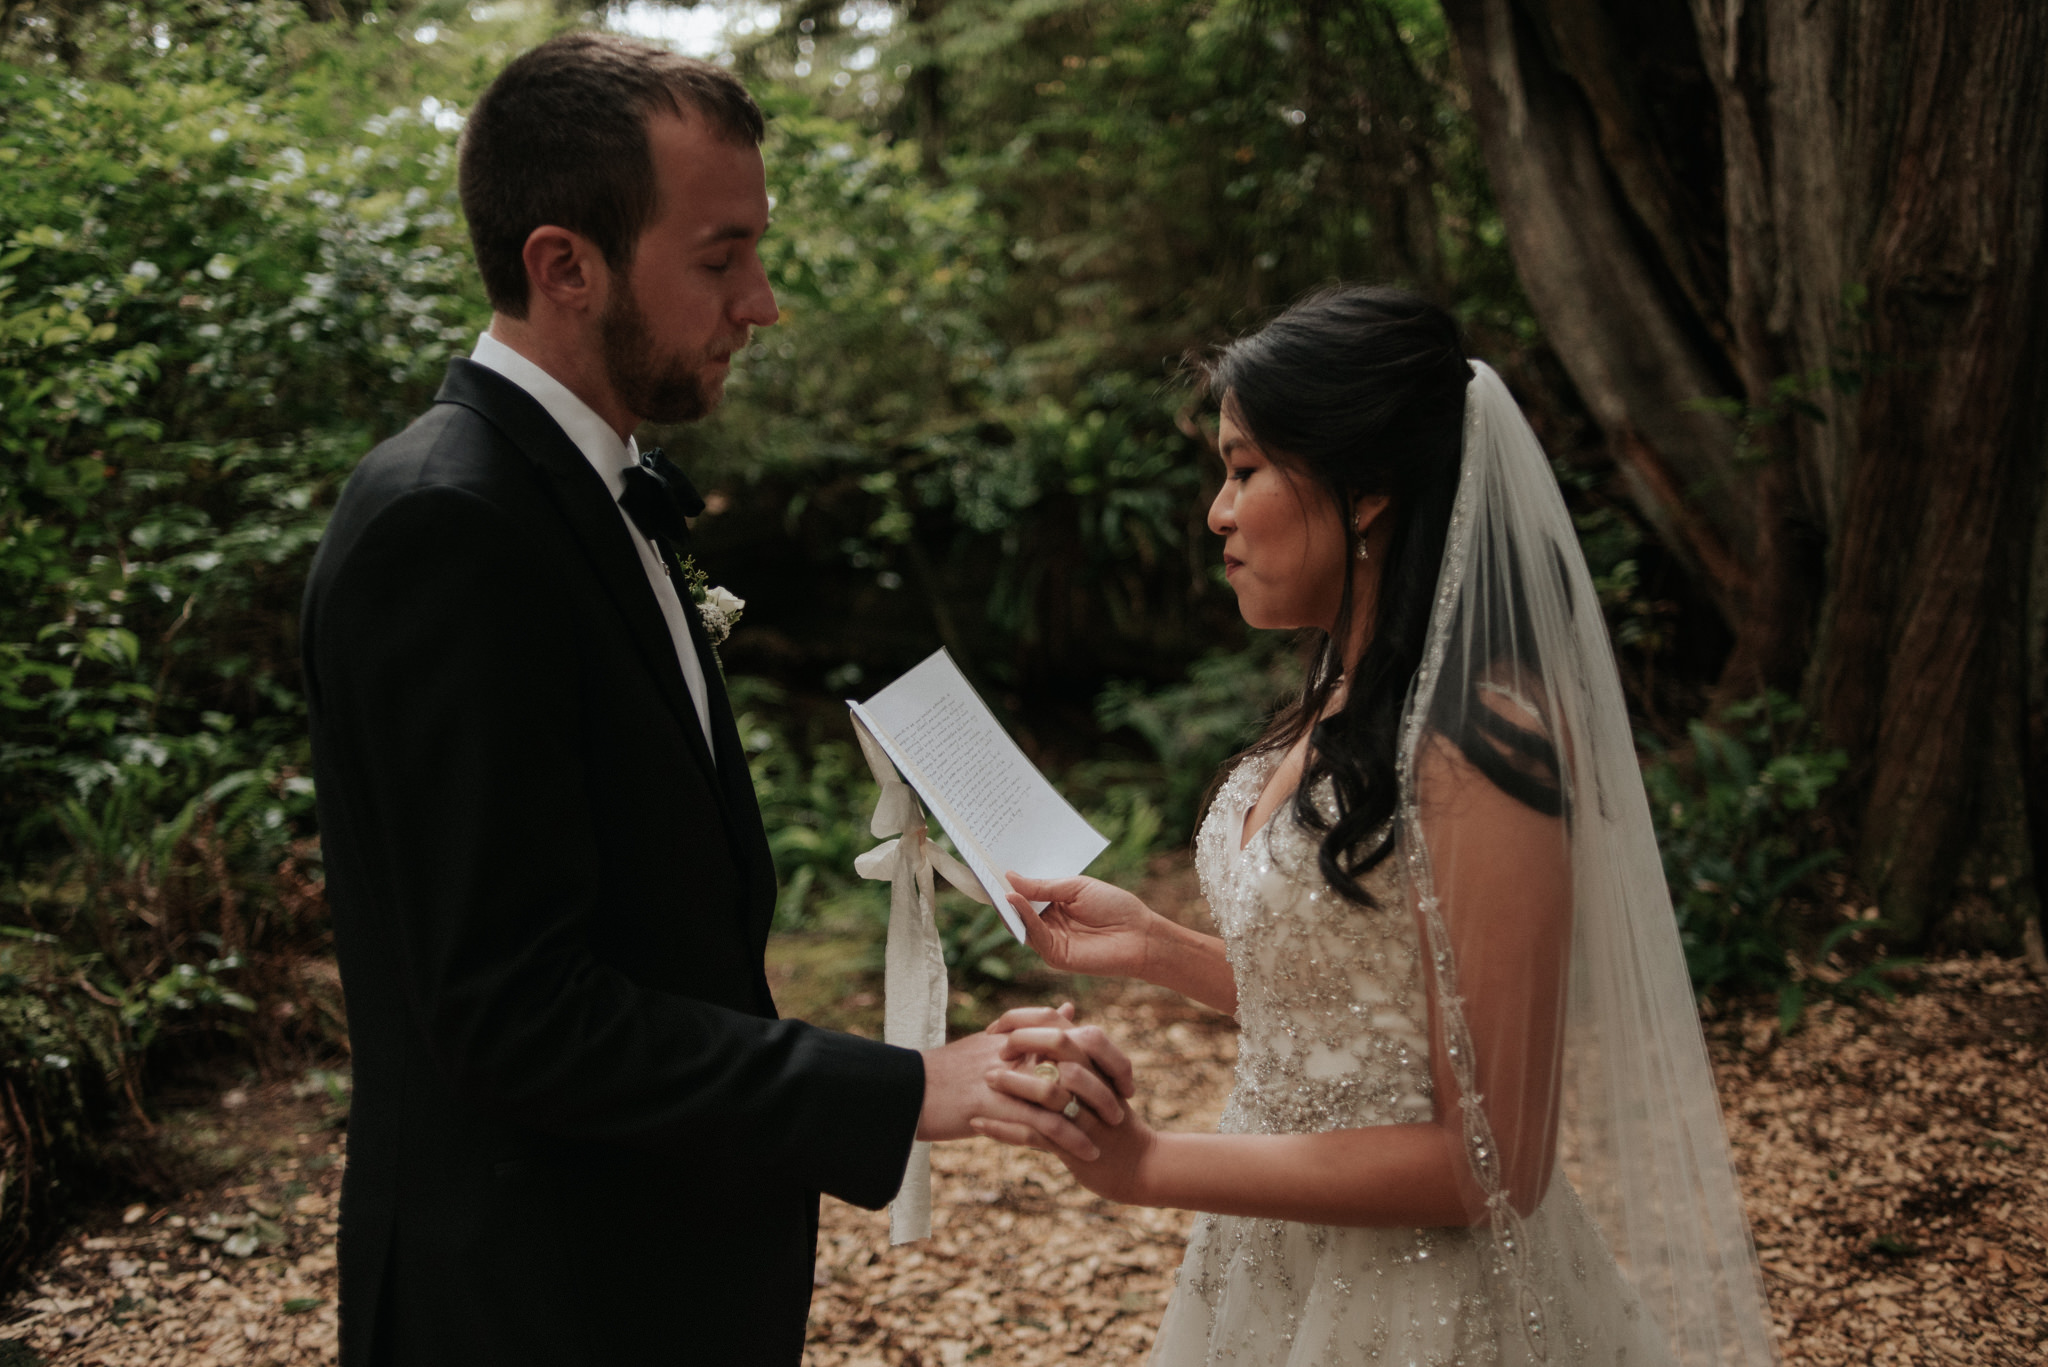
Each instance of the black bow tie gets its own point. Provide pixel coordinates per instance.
(659, 497)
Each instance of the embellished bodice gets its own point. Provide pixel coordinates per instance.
(1332, 1016)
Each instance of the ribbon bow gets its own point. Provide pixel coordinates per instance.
(914, 987)
(660, 498)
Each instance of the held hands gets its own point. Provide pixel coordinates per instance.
(1088, 926)
(961, 1095)
(1119, 1143)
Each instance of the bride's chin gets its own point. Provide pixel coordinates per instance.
(1266, 620)
(1265, 610)
(1261, 621)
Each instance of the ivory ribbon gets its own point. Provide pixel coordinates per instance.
(914, 987)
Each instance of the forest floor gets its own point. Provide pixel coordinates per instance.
(1894, 1157)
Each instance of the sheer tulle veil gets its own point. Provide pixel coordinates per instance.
(1590, 1062)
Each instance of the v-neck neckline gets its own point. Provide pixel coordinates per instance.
(1246, 838)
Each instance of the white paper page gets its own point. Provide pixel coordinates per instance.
(993, 802)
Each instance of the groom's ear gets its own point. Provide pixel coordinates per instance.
(565, 270)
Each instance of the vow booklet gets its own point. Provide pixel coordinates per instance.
(993, 802)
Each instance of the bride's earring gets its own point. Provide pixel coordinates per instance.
(1362, 552)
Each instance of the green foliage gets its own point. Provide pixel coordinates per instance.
(1001, 224)
(1726, 827)
(181, 988)
(977, 943)
(910, 444)
(1734, 825)
(229, 259)
(63, 1072)
(1195, 725)
(1613, 539)
(816, 796)
(164, 913)
(1167, 168)
(52, 1027)
(212, 294)
(1825, 973)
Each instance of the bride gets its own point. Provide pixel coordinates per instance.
(1473, 1119)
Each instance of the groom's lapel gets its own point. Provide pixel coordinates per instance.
(578, 492)
(749, 836)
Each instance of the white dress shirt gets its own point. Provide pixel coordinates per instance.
(611, 458)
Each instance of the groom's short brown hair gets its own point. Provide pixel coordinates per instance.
(560, 138)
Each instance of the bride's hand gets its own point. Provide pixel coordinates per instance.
(1092, 1070)
(1088, 926)
(1124, 1149)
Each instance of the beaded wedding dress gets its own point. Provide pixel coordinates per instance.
(1333, 1034)
(1517, 979)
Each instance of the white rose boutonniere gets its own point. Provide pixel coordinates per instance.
(719, 608)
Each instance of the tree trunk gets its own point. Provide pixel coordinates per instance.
(1830, 212)
(926, 90)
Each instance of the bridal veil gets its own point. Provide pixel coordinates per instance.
(1565, 1029)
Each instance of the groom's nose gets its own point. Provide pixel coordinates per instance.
(755, 304)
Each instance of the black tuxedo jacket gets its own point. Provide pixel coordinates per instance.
(579, 1133)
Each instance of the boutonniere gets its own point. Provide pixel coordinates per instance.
(719, 608)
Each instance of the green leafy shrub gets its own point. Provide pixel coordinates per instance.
(187, 921)
(816, 797)
(211, 299)
(229, 259)
(75, 1038)
(1734, 825)
(1194, 726)
(65, 1083)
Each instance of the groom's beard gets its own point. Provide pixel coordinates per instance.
(656, 388)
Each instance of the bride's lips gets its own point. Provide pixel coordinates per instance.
(1231, 564)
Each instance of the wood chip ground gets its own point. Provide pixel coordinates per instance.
(1894, 1157)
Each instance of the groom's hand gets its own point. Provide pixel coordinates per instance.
(957, 1090)
(1090, 1064)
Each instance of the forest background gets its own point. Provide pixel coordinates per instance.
(1807, 466)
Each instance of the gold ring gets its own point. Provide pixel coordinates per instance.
(1049, 1071)
(1072, 1108)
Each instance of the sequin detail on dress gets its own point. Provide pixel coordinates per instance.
(1333, 1034)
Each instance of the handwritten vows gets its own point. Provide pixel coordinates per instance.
(993, 802)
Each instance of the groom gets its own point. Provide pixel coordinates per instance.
(580, 1134)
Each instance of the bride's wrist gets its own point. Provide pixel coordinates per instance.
(1146, 1169)
(1167, 945)
(1155, 949)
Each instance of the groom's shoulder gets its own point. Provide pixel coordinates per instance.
(446, 446)
(483, 435)
(451, 472)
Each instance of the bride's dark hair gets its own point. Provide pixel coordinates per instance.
(1362, 389)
